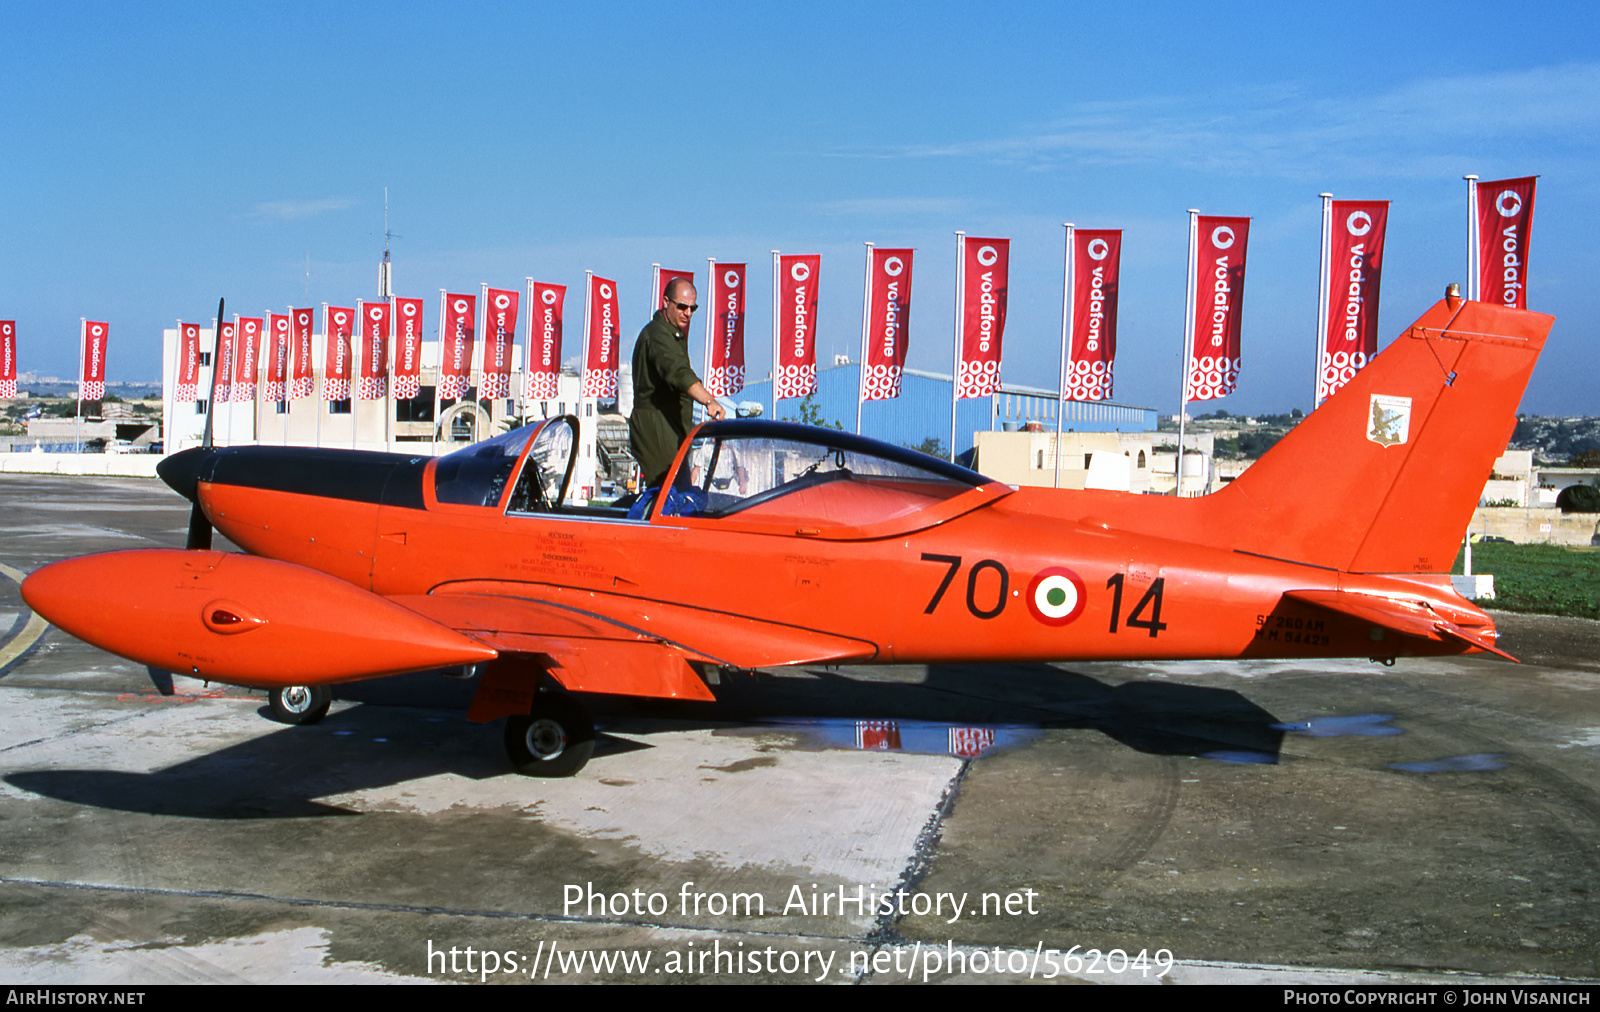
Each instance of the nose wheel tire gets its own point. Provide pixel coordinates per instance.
(300, 704)
(555, 740)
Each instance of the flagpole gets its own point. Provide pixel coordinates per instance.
(866, 312)
(1067, 280)
(960, 335)
(1472, 238)
(320, 397)
(1188, 338)
(233, 369)
(775, 355)
(1324, 292)
(527, 356)
(288, 376)
(77, 413)
(355, 367)
(438, 373)
(655, 287)
(480, 348)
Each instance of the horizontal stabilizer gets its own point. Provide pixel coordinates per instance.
(1413, 618)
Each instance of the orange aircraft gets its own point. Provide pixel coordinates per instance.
(782, 544)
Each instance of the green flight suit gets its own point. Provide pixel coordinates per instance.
(663, 412)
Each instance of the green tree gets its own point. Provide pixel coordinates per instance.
(810, 414)
(1579, 499)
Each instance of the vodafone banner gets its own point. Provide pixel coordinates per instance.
(887, 332)
(222, 368)
(725, 331)
(246, 356)
(600, 352)
(1096, 271)
(985, 267)
(796, 325)
(92, 381)
(499, 337)
(407, 348)
(340, 325)
(301, 381)
(664, 277)
(1505, 214)
(541, 361)
(1350, 291)
(456, 325)
(8, 359)
(186, 388)
(1214, 359)
(372, 384)
(276, 382)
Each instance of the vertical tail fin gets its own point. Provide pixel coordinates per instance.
(1383, 477)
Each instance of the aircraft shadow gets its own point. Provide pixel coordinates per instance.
(1157, 718)
(281, 774)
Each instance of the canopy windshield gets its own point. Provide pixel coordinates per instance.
(768, 472)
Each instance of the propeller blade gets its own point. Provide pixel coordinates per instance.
(199, 529)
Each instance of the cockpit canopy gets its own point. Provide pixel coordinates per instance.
(774, 472)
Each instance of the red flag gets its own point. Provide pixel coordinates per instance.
(888, 323)
(985, 265)
(408, 348)
(8, 359)
(222, 368)
(725, 343)
(1214, 359)
(277, 358)
(376, 326)
(1350, 291)
(665, 277)
(500, 336)
(541, 362)
(92, 382)
(246, 355)
(455, 341)
(1505, 215)
(340, 325)
(1096, 275)
(798, 280)
(187, 388)
(600, 352)
(301, 381)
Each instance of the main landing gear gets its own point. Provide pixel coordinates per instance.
(555, 740)
(300, 704)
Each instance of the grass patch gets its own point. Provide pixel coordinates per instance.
(1545, 579)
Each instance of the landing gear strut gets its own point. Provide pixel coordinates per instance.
(555, 740)
(300, 704)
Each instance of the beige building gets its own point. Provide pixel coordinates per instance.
(1116, 461)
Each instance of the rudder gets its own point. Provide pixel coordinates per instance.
(1383, 477)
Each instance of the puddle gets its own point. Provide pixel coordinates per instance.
(964, 741)
(1241, 757)
(1369, 724)
(1481, 762)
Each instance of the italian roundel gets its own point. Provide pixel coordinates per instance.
(1055, 596)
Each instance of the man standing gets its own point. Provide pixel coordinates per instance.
(665, 387)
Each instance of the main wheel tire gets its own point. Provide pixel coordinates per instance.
(300, 704)
(555, 740)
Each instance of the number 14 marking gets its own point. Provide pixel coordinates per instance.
(1136, 619)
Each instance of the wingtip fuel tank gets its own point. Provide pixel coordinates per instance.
(240, 619)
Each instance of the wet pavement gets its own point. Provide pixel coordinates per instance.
(1190, 822)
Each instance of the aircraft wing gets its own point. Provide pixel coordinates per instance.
(598, 642)
(1410, 618)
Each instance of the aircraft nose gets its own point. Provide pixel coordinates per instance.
(181, 471)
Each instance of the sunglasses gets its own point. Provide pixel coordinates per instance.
(684, 306)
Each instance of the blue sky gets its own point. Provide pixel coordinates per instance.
(160, 156)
